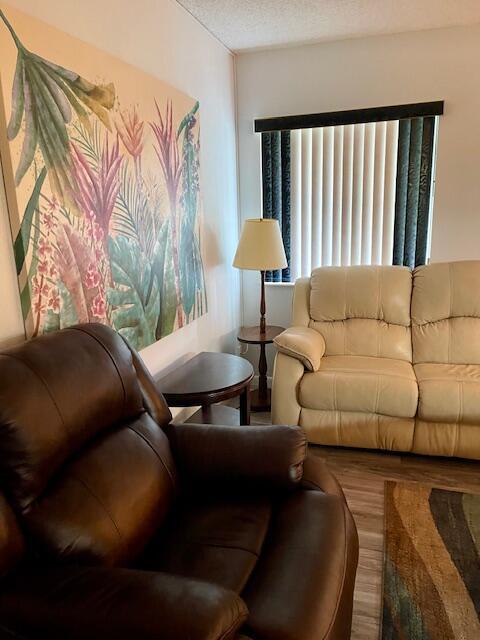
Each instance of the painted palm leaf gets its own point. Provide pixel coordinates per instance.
(134, 216)
(43, 97)
(134, 314)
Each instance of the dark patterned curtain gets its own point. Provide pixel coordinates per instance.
(414, 179)
(276, 191)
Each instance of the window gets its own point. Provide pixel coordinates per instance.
(352, 187)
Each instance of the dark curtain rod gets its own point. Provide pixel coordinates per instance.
(354, 116)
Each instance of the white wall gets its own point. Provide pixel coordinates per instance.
(440, 64)
(164, 40)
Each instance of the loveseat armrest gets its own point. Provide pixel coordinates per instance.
(98, 603)
(304, 344)
(269, 456)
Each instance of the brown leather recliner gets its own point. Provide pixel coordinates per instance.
(119, 524)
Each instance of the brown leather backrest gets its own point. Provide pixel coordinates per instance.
(361, 310)
(11, 538)
(446, 313)
(85, 466)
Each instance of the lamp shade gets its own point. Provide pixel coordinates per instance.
(260, 247)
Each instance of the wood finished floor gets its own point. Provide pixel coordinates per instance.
(362, 475)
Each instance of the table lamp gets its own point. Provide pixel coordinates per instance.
(260, 249)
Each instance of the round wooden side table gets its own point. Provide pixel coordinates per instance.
(260, 398)
(206, 379)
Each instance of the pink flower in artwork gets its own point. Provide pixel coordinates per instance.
(43, 268)
(92, 277)
(36, 285)
(53, 205)
(48, 221)
(44, 247)
(99, 307)
(53, 272)
(98, 232)
(54, 301)
(39, 307)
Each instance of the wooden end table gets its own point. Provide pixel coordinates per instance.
(260, 399)
(206, 379)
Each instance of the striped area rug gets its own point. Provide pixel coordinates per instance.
(431, 578)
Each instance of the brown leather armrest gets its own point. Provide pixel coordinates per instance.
(271, 456)
(153, 401)
(98, 603)
(317, 477)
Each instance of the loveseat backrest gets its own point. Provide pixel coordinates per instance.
(359, 310)
(446, 313)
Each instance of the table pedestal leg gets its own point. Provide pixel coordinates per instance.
(206, 414)
(245, 405)
(261, 397)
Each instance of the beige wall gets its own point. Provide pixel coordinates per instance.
(167, 42)
(371, 72)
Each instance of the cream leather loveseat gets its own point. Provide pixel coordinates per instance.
(386, 358)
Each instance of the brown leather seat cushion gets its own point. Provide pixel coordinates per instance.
(216, 539)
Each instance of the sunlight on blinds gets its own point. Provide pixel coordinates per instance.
(343, 182)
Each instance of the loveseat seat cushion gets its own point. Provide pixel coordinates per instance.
(449, 393)
(213, 537)
(356, 383)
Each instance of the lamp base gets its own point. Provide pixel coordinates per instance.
(262, 303)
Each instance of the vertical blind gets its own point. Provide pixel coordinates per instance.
(350, 194)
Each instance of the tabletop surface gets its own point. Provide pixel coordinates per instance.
(207, 372)
(252, 335)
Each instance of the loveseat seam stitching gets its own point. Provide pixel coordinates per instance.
(303, 358)
(344, 370)
(377, 392)
(379, 291)
(460, 389)
(459, 380)
(335, 392)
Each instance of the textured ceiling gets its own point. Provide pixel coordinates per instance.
(252, 24)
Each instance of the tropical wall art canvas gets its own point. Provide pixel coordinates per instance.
(101, 165)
